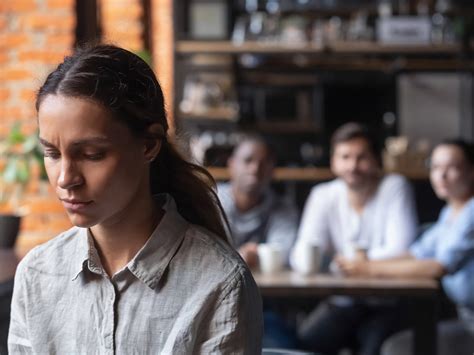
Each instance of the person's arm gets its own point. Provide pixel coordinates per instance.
(18, 339)
(406, 266)
(249, 252)
(313, 228)
(235, 324)
(400, 223)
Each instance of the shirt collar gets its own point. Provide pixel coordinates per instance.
(83, 252)
(154, 257)
(151, 261)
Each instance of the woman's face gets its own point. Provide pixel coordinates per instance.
(97, 167)
(451, 174)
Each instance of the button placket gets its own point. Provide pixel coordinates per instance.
(109, 328)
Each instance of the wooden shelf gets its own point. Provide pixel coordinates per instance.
(379, 48)
(346, 47)
(227, 47)
(294, 127)
(309, 174)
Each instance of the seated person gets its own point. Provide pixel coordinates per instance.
(444, 251)
(362, 209)
(255, 213)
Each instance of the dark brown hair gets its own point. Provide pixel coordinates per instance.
(126, 86)
(353, 130)
(254, 137)
(466, 147)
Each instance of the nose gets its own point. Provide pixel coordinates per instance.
(69, 176)
(254, 167)
(353, 164)
(443, 174)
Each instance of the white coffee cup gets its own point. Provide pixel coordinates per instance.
(270, 258)
(353, 251)
(310, 259)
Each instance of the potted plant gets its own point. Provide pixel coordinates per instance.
(20, 157)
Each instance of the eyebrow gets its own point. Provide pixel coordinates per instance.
(86, 141)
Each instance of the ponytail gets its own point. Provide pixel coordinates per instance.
(191, 186)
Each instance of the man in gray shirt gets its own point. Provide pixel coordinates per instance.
(255, 213)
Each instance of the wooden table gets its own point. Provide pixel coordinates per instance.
(290, 285)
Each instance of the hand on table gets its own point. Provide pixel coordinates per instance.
(353, 267)
(249, 253)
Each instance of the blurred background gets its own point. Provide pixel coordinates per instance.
(292, 70)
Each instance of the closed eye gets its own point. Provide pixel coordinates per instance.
(51, 154)
(94, 157)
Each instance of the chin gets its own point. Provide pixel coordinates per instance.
(443, 195)
(82, 222)
(355, 184)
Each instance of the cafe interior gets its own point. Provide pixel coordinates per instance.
(290, 72)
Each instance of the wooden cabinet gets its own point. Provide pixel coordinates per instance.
(297, 91)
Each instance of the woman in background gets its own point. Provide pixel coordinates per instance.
(445, 251)
(147, 267)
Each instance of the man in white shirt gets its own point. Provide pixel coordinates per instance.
(361, 214)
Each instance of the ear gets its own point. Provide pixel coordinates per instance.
(153, 141)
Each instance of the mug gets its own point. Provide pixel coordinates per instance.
(270, 258)
(310, 259)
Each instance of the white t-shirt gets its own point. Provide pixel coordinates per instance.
(385, 228)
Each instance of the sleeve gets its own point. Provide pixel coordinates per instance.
(282, 228)
(458, 250)
(235, 326)
(401, 221)
(18, 339)
(425, 246)
(314, 229)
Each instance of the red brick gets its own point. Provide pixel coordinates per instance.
(4, 94)
(18, 5)
(125, 12)
(28, 95)
(3, 58)
(4, 128)
(43, 56)
(13, 40)
(48, 22)
(60, 40)
(15, 74)
(9, 113)
(61, 4)
(50, 221)
(3, 23)
(46, 204)
(29, 124)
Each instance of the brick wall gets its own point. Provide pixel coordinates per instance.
(122, 23)
(35, 35)
(163, 51)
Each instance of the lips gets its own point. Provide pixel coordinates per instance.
(75, 205)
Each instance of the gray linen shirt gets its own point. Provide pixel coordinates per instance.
(273, 221)
(185, 292)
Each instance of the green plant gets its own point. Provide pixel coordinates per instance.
(20, 153)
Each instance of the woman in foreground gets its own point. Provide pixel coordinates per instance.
(147, 267)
